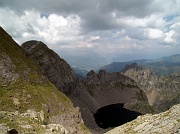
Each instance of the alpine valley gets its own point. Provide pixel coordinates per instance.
(41, 94)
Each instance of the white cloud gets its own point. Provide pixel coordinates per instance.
(154, 33)
(31, 25)
(57, 21)
(169, 37)
(95, 37)
(54, 28)
(153, 21)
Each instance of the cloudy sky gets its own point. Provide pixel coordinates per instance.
(110, 29)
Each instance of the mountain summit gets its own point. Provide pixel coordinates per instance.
(56, 69)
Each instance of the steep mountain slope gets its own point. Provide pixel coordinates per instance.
(162, 92)
(28, 101)
(163, 123)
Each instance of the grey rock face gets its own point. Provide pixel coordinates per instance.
(143, 76)
(162, 92)
(7, 73)
(55, 69)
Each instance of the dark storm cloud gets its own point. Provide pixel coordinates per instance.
(137, 8)
(49, 6)
(95, 14)
(98, 21)
(105, 13)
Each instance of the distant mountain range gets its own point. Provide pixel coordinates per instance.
(162, 66)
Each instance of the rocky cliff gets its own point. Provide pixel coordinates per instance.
(56, 69)
(162, 92)
(164, 123)
(28, 101)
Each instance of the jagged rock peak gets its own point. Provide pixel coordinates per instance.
(102, 72)
(92, 76)
(92, 72)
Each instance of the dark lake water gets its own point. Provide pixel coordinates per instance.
(114, 115)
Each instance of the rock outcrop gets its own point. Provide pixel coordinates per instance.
(29, 122)
(164, 123)
(28, 101)
(162, 92)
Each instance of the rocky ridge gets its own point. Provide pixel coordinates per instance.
(110, 88)
(164, 123)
